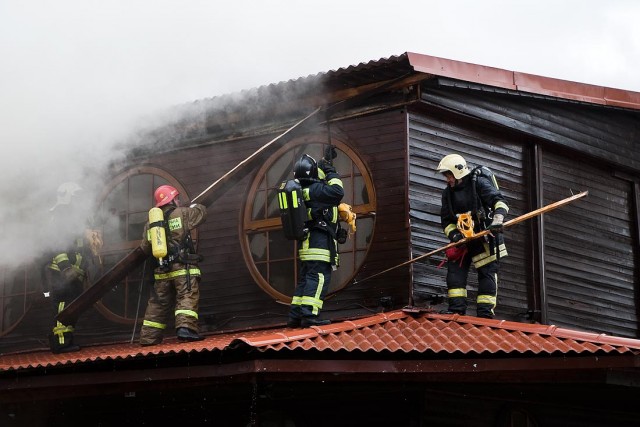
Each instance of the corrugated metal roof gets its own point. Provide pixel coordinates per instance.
(395, 332)
(398, 65)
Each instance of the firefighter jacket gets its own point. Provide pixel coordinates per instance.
(179, 222)
(77, 258)
(65, 274)
(322, 199)
(176, 286)
(488, 202)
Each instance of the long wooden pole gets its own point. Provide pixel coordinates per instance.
(207, 194)
(509, 223)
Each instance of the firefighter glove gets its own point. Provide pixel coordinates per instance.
(330, 153)
(496, 224)
(326, 167)
(455, 236)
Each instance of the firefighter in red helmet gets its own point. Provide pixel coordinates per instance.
(177, 276)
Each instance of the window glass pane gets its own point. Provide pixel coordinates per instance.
(281, 170)
(262, 269)
(342, 163)
(157, 182)
(363, 235)
(136, 225)
(361, 196)
(258, 246)
(281, 276)
(347, 184)
(279, 247)
(273, 210)
(117, 198)
(343, 272)
(257, 212)
(348, 245)
(113, 226)
(140, 193)
(314, 150)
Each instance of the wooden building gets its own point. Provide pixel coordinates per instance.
(391, 121)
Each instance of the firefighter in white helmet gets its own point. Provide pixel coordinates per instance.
(177, 277)
(66, 269)
(472, 193)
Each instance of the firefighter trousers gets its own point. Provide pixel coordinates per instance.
(457, 275)
(312, 286)
(177, 294)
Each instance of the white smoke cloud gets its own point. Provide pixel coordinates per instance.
(79, 77)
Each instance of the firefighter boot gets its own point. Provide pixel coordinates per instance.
(314, 321)
(186, 334)
(485, 311)
(457, 305)
(293, 322)
(67, 345)
(295, 314)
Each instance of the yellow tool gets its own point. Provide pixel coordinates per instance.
(347, 215)
(465, 224)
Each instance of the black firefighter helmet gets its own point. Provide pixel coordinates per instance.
(306, 169)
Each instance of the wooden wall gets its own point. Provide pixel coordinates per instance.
(230, 298)
(577, 268)
(433, 135)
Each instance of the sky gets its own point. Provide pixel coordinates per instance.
(77, 77)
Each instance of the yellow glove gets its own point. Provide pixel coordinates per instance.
(347, 215)
(94, 238)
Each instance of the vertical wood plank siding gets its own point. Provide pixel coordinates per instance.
(590, 261)
(608, 134)
(431, 137)
(590, 265)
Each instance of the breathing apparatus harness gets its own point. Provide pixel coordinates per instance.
(465, 223)
(183, 251)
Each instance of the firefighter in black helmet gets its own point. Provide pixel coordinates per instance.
(477, 196)
(318, 254)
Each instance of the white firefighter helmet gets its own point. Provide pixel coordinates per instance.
(66, 193)
(454, 163)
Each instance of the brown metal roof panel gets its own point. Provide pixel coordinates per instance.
(560, 88)
(621, 98)
(462, 70)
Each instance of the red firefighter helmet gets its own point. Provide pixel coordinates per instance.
(165, 194)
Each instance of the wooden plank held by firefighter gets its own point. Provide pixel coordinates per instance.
(113, 276)
(514, 221)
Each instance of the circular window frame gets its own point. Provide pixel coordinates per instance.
(132, 244)
(274, 223)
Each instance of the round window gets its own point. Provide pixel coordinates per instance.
(272, 258)
(123, 212)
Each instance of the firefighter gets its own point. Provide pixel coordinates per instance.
(177, 276)
(66, 269)
(318, 254)
(474, 194)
